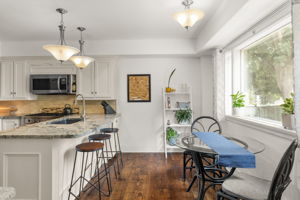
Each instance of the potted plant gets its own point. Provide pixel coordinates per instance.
(184, 116)
(288, 121)
(238, 102)
(171, 135)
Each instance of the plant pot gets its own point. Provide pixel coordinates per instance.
(172, 141)
(185, 122)
(288, 121)
(238, 111)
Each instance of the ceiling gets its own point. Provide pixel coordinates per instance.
(37, 20)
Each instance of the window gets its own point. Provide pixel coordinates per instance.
(264, 73)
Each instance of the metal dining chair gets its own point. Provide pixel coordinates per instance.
(200, 124)
(247, 187)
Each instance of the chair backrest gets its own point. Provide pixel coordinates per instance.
(206, 124)
(281, 177)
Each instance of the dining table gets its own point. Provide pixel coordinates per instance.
(212, 174)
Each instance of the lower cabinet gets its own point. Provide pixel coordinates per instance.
(8, 124)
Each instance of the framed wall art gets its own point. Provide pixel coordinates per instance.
(139, 88)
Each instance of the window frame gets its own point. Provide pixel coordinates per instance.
(233, 69)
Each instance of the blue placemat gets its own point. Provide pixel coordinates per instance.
(230, 154)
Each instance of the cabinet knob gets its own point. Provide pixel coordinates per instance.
(95, 92)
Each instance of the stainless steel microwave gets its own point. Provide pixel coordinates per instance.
(53, 84)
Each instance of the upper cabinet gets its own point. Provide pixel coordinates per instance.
(97, 81)
(51, 67)
(14, 80)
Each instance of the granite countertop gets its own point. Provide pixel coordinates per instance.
(44, 130)
(10, 115)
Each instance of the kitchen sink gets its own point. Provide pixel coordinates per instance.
(66, 121)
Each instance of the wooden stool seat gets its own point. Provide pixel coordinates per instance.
(89, 147)
(109, 130)
(99, 137)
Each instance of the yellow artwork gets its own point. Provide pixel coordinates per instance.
(139, 87)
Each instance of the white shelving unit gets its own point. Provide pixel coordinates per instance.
(169, 115)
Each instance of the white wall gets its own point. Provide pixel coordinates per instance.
(207, 84)
(141, 124)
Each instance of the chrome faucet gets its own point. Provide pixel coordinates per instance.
(83, 113)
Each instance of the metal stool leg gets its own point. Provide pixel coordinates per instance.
(108, 178)
(112, 157)
(120, 151)
(72, 175)
(116, 150)
(98, 174)
(81, 174)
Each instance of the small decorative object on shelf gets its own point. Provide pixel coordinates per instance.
(184, 116)
(168, 89)
(168, 102)
(183, 105)
(171, 135)
(238, 102)
(288, 119)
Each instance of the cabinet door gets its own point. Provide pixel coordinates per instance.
(103, 79)
(7, 83)
(8, 124)
(85, 82)
(21, 83)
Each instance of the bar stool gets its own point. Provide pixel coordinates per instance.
(108, 150)
(86, 149)
(115, 132)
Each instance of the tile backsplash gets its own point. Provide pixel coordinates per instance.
(54, 101)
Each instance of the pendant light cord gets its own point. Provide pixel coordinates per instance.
(81, 41)
(187, 3)
(62, 30)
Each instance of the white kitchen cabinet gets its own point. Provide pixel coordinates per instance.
(85, 81)
(97, 81)
(51, 67)
(14, 80)
(8, 124)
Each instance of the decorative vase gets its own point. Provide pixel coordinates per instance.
(168, 89)
(288, 121)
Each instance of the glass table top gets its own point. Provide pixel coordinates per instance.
(193, 143)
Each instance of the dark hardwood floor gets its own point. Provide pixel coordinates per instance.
(148, 176)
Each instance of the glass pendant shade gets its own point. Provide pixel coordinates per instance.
(61, 52)
(81, 61)
(188, 18)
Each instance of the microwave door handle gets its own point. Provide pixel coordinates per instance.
(58, 83)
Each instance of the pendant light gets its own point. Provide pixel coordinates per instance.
(61, 52)
(81, 61)
(188, 17)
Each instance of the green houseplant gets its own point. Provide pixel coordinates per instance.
(238, 102)
(171, 135)
(184, 116)
(287, 107)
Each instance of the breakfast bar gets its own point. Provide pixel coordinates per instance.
(37, 159)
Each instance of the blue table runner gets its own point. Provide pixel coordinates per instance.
(230, 154)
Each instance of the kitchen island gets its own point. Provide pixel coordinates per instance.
(38, 159)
